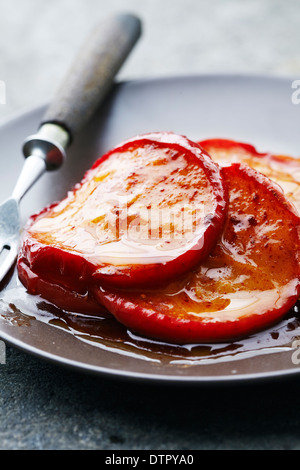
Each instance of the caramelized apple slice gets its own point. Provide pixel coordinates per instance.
(62, 297)
(146, 212)
(249, 281)
(283, 170)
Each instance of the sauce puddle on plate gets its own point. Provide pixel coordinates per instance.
(19, 308)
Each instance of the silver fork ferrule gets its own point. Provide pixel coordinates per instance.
(48, 144)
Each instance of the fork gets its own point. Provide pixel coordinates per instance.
(84, 88)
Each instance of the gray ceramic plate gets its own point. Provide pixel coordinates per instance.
(258, 110)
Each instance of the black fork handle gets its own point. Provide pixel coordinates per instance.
(93, 71)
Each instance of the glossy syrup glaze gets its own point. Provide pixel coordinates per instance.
(20, 308)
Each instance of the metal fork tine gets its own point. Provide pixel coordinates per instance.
(33, 168)
(8, 262)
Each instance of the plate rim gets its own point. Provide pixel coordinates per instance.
(27, 109)
(143, 377)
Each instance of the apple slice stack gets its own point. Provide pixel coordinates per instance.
(180, 241)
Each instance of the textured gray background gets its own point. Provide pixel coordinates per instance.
(45, 407)
(38, 40)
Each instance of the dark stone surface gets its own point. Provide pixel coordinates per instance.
(47, 407)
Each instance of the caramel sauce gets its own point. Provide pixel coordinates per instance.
(20, 308)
